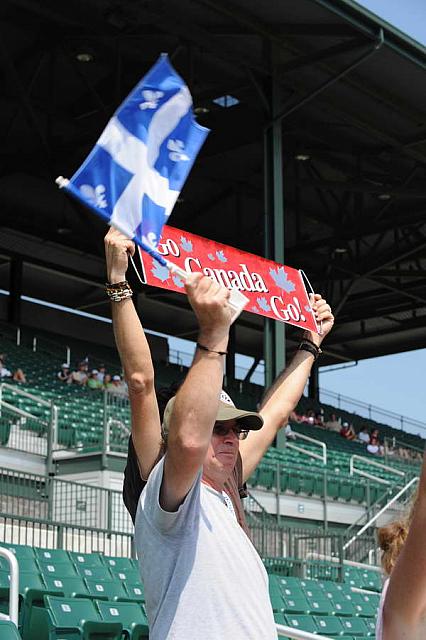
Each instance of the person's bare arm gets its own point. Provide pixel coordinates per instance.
(282, 398)
(197, 400)
(135, 357)
(404, 610)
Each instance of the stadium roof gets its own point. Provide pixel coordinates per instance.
(353, 110)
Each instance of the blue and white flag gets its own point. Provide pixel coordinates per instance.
(134, 174)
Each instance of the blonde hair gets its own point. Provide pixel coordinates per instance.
(392, 538)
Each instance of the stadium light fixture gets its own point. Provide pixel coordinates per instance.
(302, 157)
(84, 56)
(384, 196)
(201, 111)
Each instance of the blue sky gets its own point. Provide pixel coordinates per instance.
(397, 381)
(408, 16)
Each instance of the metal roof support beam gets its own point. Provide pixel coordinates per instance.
(325, 85)
(274, 331)
(319, 56)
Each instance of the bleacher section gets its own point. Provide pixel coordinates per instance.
(90, 596)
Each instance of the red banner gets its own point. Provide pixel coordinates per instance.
(274, 290)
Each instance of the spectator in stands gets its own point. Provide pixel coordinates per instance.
(309, 417)
(101, 373)
(363, 435)
(402, 609)
(108, 384)
(347, 431)
(17, 375)
(92, 380)
(64, 373)
(374, 445)
(186, 534)
(79, 375)
(118, 385)
(294, 417)
(319, 418)
(333, 424)
(289, 433)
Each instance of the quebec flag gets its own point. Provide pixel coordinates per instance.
(135, 172)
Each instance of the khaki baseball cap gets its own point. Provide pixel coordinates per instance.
(226, 411)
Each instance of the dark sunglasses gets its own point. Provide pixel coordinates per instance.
(223, 430)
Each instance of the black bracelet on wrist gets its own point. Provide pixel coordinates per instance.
(310, 347)
(203, 348)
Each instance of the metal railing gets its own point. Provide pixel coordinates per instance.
(298, 634)
(308, 452)
(372, 412)
(366, 461)
(14, 586)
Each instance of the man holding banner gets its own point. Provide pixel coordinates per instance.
(202, 576)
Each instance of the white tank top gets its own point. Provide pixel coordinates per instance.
(379, 623)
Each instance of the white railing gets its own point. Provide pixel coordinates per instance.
(381, 512)
(298, 634)
(13, 588)
(361, 472)
(350, 563)
(308, 452)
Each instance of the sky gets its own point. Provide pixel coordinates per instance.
(408, 16)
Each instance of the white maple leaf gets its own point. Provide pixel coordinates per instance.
(95, 195)
(176, 148)
(151, 99)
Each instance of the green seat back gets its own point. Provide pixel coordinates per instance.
(20, 550)
(129, 575)
(60, 569)
(105, 589)
(86, 559)
(124, 564)
(77, 618)
(302, 622)
(329, 626)
(295, 605)
(53, 556)
(354, 626)
(320, 606)
(344, 607)
(93, 573)
(8, 631)
(129, 614)
(69, 587)
(135, 591)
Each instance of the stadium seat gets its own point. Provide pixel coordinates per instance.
(295, 605)
(8, 631)
(75, 618)
(86, 559)
(100, 572)
(68, 587)
(130, 575)
(302, 622)
(344, 607)
(105, 589)
(329, 626)
(135, 592)
(129, 614)
(59, 569)
(53, 556)
(20, 550)
(354, 626)
(121, 564)
(320, 606)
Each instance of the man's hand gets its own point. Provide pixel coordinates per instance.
(210, 304)
(323, 316)
(117, 250)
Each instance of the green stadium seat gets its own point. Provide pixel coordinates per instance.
(68, 587)
(100, 572)
(75, 618)
(25, 562)
(276, 601)
(20, 550)
(122, 564)
(320, 606)
(354, 626)
(129, 614)
(8, 631)
(86, 559)
(135, 592)
(302, 622)
(130, 575)
(370, 624)
(54, 556)
(295, 605)
(105, 589)
(60, 569)
(280, 618)
(329, 626)
(344, 607)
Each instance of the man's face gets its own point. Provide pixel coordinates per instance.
(223, 449)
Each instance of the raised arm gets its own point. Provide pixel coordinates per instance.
(283, 396)
(135, 357)
(197, 400)
(404, 610)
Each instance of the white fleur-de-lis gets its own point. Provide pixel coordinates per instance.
(151, 99)
(176, 148)
(95, 195)
(150, 240)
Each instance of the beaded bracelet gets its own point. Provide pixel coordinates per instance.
(118, 291)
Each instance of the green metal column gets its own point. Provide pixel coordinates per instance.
(274, 331)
